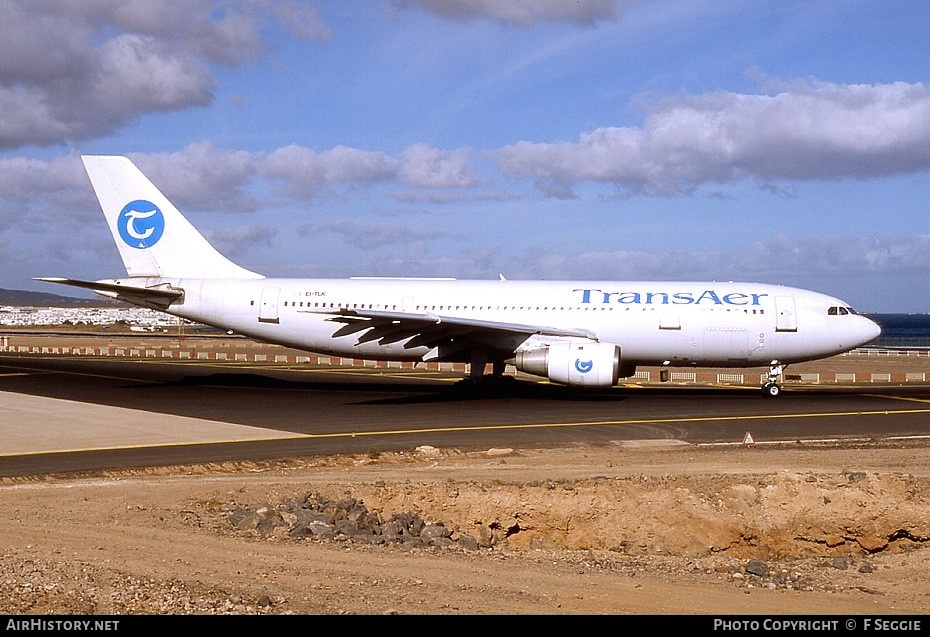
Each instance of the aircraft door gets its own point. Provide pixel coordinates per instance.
(268, 308)
(786, 319)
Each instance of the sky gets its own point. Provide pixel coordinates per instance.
(782, 141)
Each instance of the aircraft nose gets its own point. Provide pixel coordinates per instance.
(870, 330)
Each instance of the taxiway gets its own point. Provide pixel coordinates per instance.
(71, 414)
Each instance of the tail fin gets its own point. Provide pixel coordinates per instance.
(153, 237)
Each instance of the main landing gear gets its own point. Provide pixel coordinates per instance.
(479, 384)
(476, 372)
(771, 388)
(479, 359)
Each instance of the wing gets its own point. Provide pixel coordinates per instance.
(433, 330)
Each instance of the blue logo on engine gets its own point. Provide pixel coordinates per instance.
(140, 224)
(584, 366)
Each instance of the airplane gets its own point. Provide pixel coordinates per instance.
(584, 334)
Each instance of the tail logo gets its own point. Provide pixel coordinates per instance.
(140, 224)
(584, 366)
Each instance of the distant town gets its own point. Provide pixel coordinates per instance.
(135, 318)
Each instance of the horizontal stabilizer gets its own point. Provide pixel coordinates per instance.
(157, 298)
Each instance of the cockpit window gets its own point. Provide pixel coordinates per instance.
(840, 311)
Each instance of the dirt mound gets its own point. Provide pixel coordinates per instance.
(773, 516)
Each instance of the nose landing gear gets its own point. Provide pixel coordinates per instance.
(771, 388)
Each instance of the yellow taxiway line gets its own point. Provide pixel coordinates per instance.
(603, 423)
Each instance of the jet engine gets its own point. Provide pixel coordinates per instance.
(576, 364)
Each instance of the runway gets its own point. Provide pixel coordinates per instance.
(69, 414)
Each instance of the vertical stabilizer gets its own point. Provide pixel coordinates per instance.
(153, 237)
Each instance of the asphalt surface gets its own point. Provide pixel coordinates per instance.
(64, 414)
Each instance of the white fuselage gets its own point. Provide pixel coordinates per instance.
(653, 323)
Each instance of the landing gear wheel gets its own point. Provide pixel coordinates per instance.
(771, 390)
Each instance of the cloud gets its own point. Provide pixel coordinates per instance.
(305, 172)
(778, 259)
(434, 168)
(523, 12)
(806, 131)
(49, 219)
(202, 177)
(301, 20)
(140, 74)
(841, 256)
(368, 236)
(45, 197)
(71, 71)
(235, 241)
(22, 180)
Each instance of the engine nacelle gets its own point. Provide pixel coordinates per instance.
(576, 364)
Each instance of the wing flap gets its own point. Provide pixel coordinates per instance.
(432, 329)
